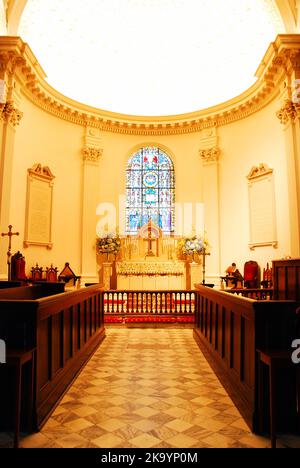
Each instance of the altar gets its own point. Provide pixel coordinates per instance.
(150, 261)
(151, 274)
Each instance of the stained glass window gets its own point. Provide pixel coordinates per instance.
(150, 187)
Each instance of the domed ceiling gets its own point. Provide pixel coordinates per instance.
(150, 57)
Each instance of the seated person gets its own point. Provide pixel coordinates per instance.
(234, 276)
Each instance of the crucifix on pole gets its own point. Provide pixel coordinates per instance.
(9, 234)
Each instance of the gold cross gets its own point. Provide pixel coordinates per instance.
(9, 234)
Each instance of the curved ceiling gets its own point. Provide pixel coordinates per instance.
(150, 57)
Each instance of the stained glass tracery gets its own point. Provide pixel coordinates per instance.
(150, 187)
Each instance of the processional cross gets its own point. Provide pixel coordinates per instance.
(9, 234)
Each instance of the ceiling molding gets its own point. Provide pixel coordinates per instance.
(31, 77)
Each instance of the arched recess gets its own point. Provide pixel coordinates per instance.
(15, 10)
(289, 11)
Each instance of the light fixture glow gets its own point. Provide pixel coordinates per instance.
(150, 57)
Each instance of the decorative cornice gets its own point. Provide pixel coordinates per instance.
(259, 171)
(210, 155)
(279, 61)
(91, 154)
(10, 114)
(289, 112)
(41, 172)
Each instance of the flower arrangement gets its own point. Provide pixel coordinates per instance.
(110, 244)
(192, 245)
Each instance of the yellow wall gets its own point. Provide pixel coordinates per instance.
(43, 138)
(247, 143)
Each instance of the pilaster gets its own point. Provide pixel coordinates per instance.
(289, 117)
(91, 153)
(10, 118)
(210, 153)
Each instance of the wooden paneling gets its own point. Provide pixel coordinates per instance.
(65, 329)
(286, 279)
(229, 329)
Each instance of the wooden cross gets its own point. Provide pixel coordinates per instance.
(9, 234)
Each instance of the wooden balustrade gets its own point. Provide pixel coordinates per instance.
(149, 302)
(229, 329)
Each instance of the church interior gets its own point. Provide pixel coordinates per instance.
(150, 224)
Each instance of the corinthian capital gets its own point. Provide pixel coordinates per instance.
(10, 114)
(210, 155)
(288, 112)
(91, 154)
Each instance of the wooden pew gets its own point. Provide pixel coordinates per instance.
(64, 328)
(229, 329)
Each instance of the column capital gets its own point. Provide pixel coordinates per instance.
(10, 114)
(288, 112)
(210, 155)
(92, 154)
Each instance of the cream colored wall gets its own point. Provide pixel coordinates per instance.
(246, 143)
(42, 138)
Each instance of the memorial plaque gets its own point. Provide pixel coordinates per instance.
(39, 207)
(262, 209)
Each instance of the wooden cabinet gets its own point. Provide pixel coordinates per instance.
(286, 279)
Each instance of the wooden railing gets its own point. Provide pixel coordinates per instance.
(263, 294)
(64, 328)
(170, 303)
(229, 329)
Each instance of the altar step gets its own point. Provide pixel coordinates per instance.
(109, 319)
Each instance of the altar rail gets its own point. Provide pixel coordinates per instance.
(151, 303)
(256, 294)
(229, 329)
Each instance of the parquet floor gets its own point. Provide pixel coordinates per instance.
(143, 388)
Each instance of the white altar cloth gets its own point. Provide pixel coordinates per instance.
(151, 275)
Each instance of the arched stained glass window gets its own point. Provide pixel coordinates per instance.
(150, 190)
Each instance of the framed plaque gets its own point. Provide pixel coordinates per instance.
(38, 219)
(262, 209)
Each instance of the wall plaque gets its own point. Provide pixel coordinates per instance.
(39, 207)
(262, 209)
